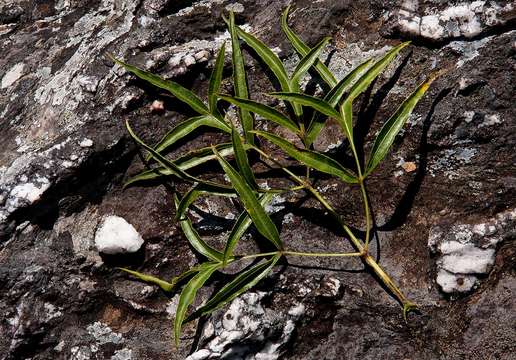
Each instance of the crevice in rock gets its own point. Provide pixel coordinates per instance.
(72, 193)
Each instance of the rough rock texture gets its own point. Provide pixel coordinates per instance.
(65, 155)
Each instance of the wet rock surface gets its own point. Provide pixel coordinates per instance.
(66, 154)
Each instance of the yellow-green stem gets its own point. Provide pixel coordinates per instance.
(298, 253)
(368, 260)
(318, 196)
(389, 283)
(367, 215)
(363, 191)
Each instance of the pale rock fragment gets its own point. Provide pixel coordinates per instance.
(116, 236)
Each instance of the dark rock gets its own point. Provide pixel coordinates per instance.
(66, 154)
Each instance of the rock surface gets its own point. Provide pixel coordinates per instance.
(66, 154)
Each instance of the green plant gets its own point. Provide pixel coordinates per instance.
(305, 116)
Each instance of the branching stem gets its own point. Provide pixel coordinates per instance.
(361, 247)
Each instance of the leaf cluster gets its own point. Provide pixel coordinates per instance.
(302, 114)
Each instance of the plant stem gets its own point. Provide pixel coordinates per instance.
(362, 250)
(365, 201)
(252, 256)
(389, 283)
(363, 191)
(298, 253)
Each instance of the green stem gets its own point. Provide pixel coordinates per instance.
(363, 191)
(362, 250)
(253, 256)
(317, 195)
(297, 253)
(365, 201)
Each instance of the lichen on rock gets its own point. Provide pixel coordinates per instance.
(467, 251)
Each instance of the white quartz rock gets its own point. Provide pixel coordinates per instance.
(116, 236)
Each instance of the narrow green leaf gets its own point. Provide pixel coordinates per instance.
(174, 88)
(185, 162)
(188, 295)
(186, 127)
(261, 220)
(202, 155)
(242, 224)
(334, 95)
(393, 126)
(365, 80)
(263, 110)
(346, 119)
(311, 101)
(216, 79)
(243, 282)
(242, 160)
(346, 108)
(147, 175)
(164, 285)
(303, 49)
(268, 57)
(239, 79)
(310, 158)
(194, 193)
(195, 240)
(183, 276)
(332, 98)
(307, 61)
(303, 66)
(169, 165)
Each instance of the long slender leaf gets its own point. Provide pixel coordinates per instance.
(308, 60)
(307, 100)
(346, 108)
(302, 67)
(375, 70)
(242, 224)
(194, 193)
(185, 162)
(186, 127)
(334, 95)
(164, 285)
(188, 295)
(174, 88)
(242, 160)
(243, 282)
(346, 119)
(332, 98)
(261, 219)
(303, 49)
(147, 175)
(215, 79)
(202, 155)
(393, 126)
(239, 79)
(268, 57)
(169, 165)
(310, 158)
(195, 240)
(263, 110)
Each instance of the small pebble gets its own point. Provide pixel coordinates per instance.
(86, 143)
(409, 166)
(157, 106)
